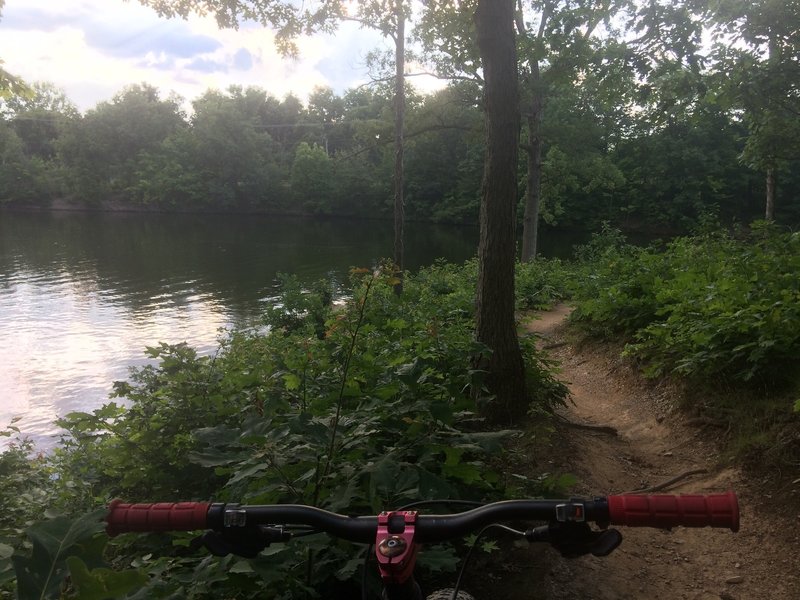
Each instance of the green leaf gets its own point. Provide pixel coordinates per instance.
(442, 411)
(251, 471)
(292, 381)
(466, 472)
(101, 583)
(214, 458)
(349, 569)
(351, 389)
(433, 486)
(40, 575)
(6, 551)
(452, 455)
(241, 566)
(387, 392)
(438, 559)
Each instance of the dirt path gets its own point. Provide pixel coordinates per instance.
(654, 444)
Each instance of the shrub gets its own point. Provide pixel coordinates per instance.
(709, 305)
(355, 407)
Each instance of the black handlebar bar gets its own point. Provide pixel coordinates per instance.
(661, 511)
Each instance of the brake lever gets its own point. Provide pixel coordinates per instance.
(246, 542)
(573, 539)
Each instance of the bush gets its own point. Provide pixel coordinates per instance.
(730, 309)
(354, 407)
(542, 283)
(710, 305)
(615, 286)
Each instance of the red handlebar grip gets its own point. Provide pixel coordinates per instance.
(162, 516)
(666, 511)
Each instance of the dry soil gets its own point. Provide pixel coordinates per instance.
(654, 443)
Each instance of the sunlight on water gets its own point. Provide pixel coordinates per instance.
(65, 342)
(83, 295)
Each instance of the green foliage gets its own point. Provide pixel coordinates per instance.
(711, 305)
(311, 177)
(102, 583)
(757, 76)
(354, 406)
(23, 177)
(119, 451)
(542, 283)
(733, 311)
(615, 285)
(41, 573)
(244, 150)
(24, 496)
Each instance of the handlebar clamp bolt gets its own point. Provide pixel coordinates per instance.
(392, 546)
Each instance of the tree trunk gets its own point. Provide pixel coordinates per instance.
(533, 190)
(770, 211)
(495, 322)
(399, 126)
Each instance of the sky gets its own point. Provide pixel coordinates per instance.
(91, 49)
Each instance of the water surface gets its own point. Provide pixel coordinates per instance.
(82, 295)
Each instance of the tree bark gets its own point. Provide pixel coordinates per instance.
(770, 210)
(495, 321)
(533, 189)
(399, 126)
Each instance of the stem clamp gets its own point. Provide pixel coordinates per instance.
(394, 545)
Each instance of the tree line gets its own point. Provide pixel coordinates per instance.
(653, 131)
(243, 149)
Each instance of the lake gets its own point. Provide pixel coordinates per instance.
(83, 294)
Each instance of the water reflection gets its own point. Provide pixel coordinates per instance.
(81, 295)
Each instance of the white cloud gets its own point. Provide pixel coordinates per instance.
(93, 48)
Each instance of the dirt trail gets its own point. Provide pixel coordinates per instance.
(653, 445)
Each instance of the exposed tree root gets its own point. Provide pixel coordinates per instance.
(669, 482)
(597, 428)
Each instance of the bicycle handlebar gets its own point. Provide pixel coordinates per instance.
(660, 511)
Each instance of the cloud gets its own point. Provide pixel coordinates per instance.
(94, 48)
(171, 39)
(111, 32)
(32, 18)
(207, 65)
(242, 60)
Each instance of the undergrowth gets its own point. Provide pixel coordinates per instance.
(366, 404)
(719, 311)
(354, 407)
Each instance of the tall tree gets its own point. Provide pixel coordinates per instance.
(328, 109)
(233, 151)
(399, 144)
(557, 43)
(388, 17)
(757, 55)
(39, 117)
(101, 149)
(496, 324)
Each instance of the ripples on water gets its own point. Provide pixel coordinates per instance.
(66, 339)
(82, 295)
